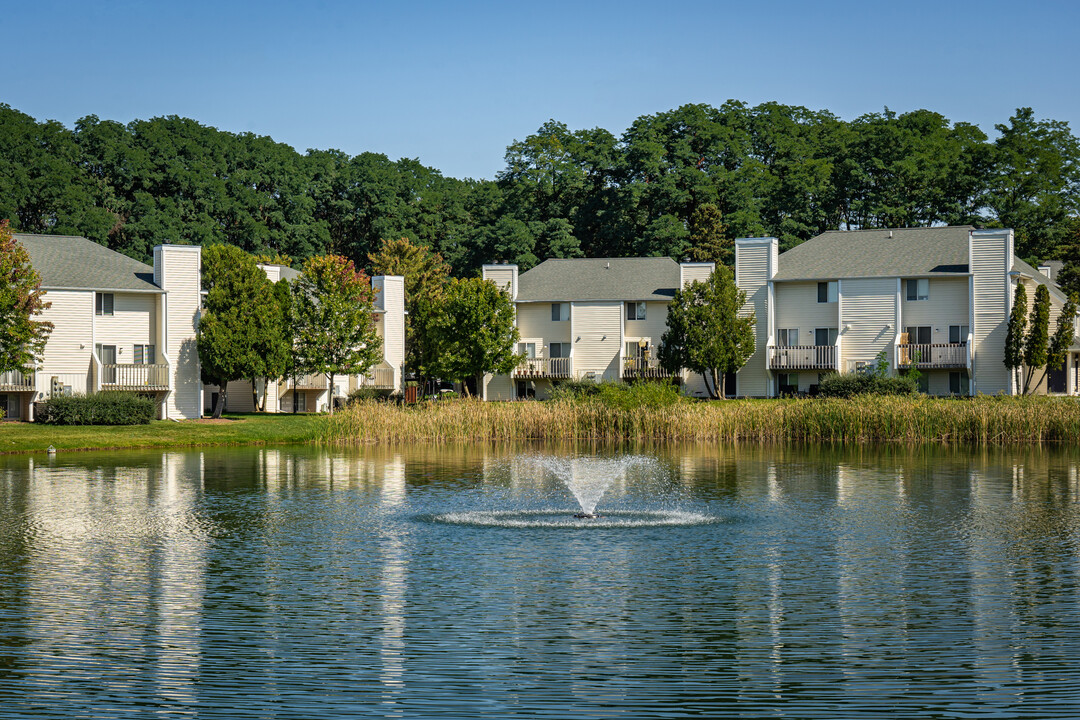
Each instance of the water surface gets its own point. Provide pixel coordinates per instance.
(763, 582)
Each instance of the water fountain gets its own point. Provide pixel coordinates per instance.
(588, 478)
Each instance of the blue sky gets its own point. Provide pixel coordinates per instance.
(453, 84)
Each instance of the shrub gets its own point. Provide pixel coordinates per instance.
(362, 394)
(620, 395)
(849, 385)
(574, 389)
(103, 408)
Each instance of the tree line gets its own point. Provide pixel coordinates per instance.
(681, 183)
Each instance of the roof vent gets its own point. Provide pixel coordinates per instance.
(890, 234)
(607, 266)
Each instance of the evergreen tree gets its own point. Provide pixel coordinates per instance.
(1038, 335)
(1014, 337)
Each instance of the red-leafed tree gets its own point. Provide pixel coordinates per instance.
(22, 338)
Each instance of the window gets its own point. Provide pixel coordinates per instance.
(923, 384)
(825, 336)
(637, 349)
(788, 383)
(919, 335)
(959, 383)
(828, 292)
(143, 355)
(107, 357)
(635, 311)
(527, 349)
(958, 334)
(103, 303)
(560, 312)
(559, 350)
(918, 289)
(789, 337)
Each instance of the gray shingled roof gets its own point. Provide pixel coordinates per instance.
(565, 280)
(67, 262)
(900, 252)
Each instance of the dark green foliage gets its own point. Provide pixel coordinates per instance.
(848, 385)
(624, 396)
(103, 408)
(1038, 336)
(658, 188)
(1014, 336)
(365, 394)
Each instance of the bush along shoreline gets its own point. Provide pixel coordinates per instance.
(649, 416)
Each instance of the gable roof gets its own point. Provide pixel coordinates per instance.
(899, 252)
(574, 279)
(69, 262)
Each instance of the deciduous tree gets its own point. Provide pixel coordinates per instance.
(706, 332)
(472, 331)
(333, 319)
(22, 338)
(238, 328)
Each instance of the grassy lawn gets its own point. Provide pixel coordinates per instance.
(230, 430)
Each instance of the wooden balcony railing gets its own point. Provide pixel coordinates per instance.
(379, 378)
(135, 377)
(544, 368)
(16, 381)
(803, 357)
(641, 367)
(931, 356)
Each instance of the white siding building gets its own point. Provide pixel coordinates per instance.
(936, 298)
(119, 324)
(589, 318)
(309, 393)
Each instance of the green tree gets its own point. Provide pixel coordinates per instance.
(472, 331)
(333, 319)
(425, 275)
(1017, 328)
(1038, 336)
(705, 331)
(708, 240)
(22, 338)
(1035, 186)
(1062, 339)
(238, 329)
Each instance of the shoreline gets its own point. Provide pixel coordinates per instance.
(919, 420)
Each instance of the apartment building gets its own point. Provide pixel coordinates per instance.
(935, 298)
(312, 392)
(590, 318)
(119, 324)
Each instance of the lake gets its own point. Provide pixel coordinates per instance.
(455, 582)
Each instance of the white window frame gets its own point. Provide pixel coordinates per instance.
(139, 354)
(832, 291)
(921, 289)
(784, 336)
(637, 309)
(560, 312)
(564, 349)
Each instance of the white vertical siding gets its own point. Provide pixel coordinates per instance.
(651, 328)
(690, 272)
(391, 289)
(947, 305)
(504, 276)
(178, 268)
(71, 343)
(133, 322)
(755, 264)
(535, 325)
(498, 387)
(797, 307)
(991, 260)
(869, 306)
(597, 338)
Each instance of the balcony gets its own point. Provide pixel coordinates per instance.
(932, 356)
(135, 377)
(16, 381)
(313, 381)
(643, 367)
(803, 357)
(543, 368)
(379, 378)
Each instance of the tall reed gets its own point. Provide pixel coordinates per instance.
(980, 421)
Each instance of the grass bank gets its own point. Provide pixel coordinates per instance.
(918, 419)
(230, 430)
